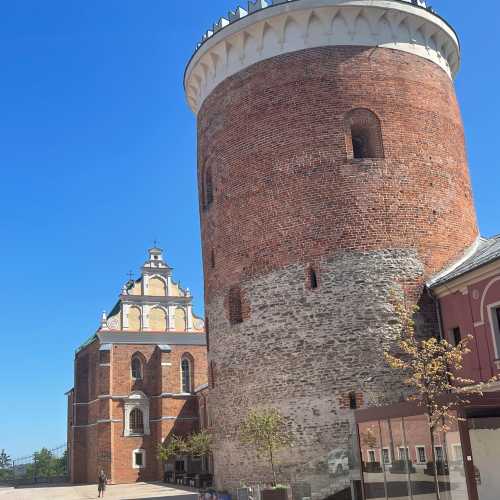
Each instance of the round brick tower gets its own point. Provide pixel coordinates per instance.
(332, 171)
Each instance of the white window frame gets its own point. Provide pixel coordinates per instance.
(374, 454)
(417, 454)
(389, 461)
(191, 373)
(136, 400)
(436, 453)
(408, 457)
(139, 451)
(495, 327)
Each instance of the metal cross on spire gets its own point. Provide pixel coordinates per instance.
(130, 275)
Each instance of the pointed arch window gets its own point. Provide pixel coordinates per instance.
(136, 421)
(186, 375)
(136, 368)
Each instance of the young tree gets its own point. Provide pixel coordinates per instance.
(267, 431)
(199, 444)
(5, 466)
(5, 461)
(431, 369)
(173, 446)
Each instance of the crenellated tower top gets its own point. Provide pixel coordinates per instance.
(265, 30)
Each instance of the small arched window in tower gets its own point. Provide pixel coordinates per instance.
(136, 368)
(186, 375)
(234, 304)
(136, 421)
(364, 134)
(208, 188)
(312, 278)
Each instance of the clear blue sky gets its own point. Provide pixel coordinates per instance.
(98, 158)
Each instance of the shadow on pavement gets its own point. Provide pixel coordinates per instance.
(42, 485)
(169, 497)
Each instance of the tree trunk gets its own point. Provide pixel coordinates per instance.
(271, 459)
(436, 479)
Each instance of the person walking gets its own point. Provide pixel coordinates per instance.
(101, 483)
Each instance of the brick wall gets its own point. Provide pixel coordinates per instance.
(288, 195)
(99, 445)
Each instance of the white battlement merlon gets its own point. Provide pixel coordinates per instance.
(256, 5)
(268, 30)
(222, 23)
(237, 14)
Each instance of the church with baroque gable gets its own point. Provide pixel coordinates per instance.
(137, 379)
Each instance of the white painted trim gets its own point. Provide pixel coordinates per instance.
(483, 298)
(143, 453)
(494, 327)
(388, 454)
(302, 24)
(173, 418)
(469, 252)
(86, 404)
(173, 395)
(417, 446)
(108, 421)
(407, 451)
(103, 365)
(368, 455)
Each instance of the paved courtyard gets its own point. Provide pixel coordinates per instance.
(152, 491)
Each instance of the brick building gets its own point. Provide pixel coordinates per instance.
(136, 380)
(395, 440)
(332, 172)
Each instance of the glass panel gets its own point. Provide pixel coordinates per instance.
(393, 440)
(453, 484)
(418, 440)
(371, 457)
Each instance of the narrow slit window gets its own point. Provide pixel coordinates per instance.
(209, 188)
(313, 279)
(353, 403)
(457, 336)
(235, 306)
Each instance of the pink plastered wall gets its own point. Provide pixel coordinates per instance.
(469, 309)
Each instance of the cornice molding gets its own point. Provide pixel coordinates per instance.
(301, 24)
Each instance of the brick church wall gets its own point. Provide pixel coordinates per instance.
(103, 445)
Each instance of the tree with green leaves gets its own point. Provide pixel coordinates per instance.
(268, 432)
(173, 446)
(431, 368)
(199, 444)
(5, 466)
(5, 460)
